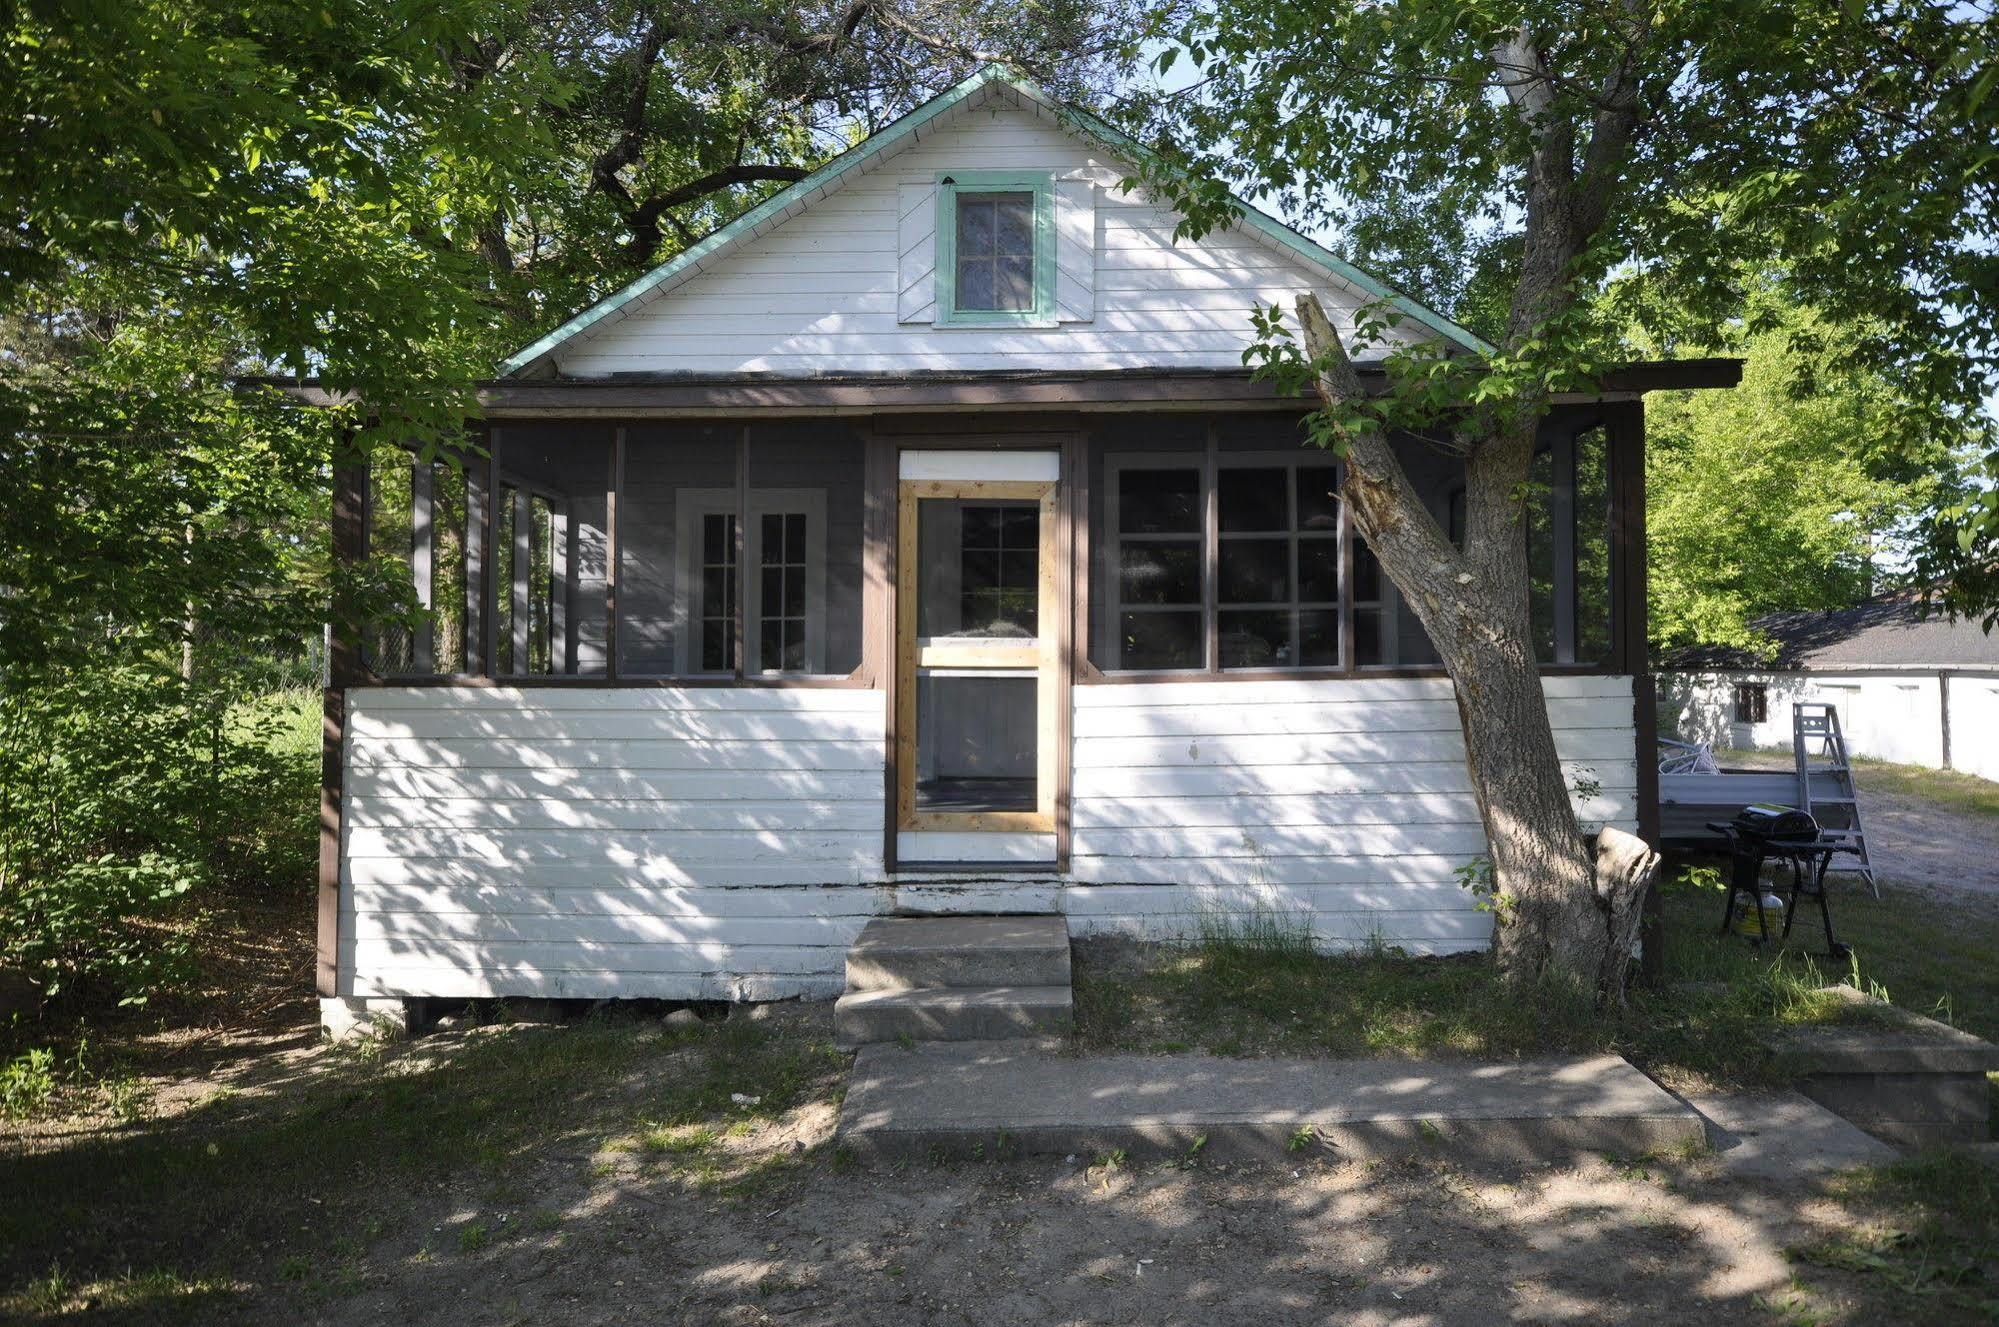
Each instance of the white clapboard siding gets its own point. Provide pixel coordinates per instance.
(1342, 807)
(713, 905)
(847, 284)
(553, 842)
(586, 785)
(726, 843)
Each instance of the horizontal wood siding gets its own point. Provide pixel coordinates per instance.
(1343, 805)
(679, 843)
(822, 291)
(726, 843)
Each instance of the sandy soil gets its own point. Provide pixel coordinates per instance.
(583, 1228)
(1083, 1244)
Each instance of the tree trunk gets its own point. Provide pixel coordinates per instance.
(1548, 921)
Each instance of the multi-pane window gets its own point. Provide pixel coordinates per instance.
(995, 252)
(783, 567)
(1752, 702)
(999, 565)
(1264, 533)
(1277, 567)
(715, 615)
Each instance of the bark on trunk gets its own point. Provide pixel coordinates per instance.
(1549, 923)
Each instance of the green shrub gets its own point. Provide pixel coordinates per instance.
(126, 792)
(84, 926)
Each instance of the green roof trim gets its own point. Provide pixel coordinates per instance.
(1084, 122)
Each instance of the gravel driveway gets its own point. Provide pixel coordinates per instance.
(1913, 840)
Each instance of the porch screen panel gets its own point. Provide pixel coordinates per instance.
(550, 522)
(389, 644)
(1593, 642)
(678, 569)
(807, 505)
(1568, 546)
(1387, 633)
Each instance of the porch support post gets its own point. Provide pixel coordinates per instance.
(350, 489)
(878, 614)
(1624, 426)
(738, 627)
(489, 569)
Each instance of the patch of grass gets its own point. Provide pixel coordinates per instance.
(159, 1291)
(359, 1128)
(473, 1236)
(1255, 986)
(1949, 788)
(1942, 1241)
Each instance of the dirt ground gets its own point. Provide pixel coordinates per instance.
(742, 1211)
(1081, 1243)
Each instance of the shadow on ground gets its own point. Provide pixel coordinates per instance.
(629, 1172)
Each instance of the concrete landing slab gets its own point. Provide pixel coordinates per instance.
(967, 1098)
(1784, 1135)
(914, 952)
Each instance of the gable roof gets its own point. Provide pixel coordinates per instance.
(1882, 632)
(876, 147)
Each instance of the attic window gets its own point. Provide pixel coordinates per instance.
(996, 241)
(996, 252)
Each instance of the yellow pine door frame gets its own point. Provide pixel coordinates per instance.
(1045, 655)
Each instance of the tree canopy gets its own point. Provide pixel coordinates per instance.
(1793, 491)
(1563, 172)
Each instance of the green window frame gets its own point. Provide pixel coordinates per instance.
(951, 185)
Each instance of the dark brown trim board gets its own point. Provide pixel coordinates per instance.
(350, 499)
(637, 395)
(331, 775)
(1072, 558)
(884, 490)
(1625, 424)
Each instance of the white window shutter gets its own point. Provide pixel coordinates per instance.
(916, 250)
(1075, 251)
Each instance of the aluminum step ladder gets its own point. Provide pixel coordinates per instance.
(1837, 809)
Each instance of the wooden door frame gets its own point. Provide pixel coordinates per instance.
(1052, 681)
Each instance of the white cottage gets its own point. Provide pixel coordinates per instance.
(918, 543)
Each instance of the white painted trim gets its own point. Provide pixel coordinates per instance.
(923, 847)
(1024, 467)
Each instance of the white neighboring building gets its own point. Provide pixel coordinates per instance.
(1908, 690)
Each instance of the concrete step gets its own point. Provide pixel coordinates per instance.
(965, 1100)
(937, 1013)
(909, 953)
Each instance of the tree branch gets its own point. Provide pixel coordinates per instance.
(645, 217)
